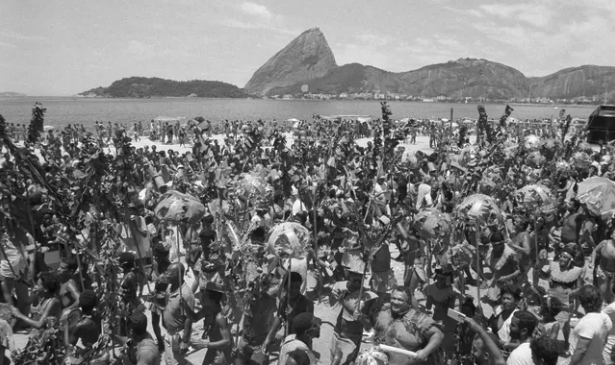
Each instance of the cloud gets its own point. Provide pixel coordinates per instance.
(9, 34)
(242, 24)
(258, 10)
(539, 15)
(7, 45)
(256, 16)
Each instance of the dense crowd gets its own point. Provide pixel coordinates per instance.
(506, 244)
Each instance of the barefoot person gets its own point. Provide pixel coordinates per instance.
(174, 320)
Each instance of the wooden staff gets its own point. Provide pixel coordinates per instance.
(290, 260)
(180, 278)
(477, 236)
(365, 262)
(428, 266)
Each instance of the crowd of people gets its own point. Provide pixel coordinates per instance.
(507, 255)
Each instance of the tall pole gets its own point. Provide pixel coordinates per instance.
(477, 235)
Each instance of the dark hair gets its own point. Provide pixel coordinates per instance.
(590, 298)
(295, 277)
(403, 289)
(72, 264)
(300, 357)
(137, 322)
(127, 259)
(512, 290)
(88, 300)
(545, 349)
(551, 307)
(469, 303)
(493, 336)
(527, 321)
(496, 237)
(50, 281)
(215, 296)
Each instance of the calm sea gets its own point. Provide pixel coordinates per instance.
(65, 110)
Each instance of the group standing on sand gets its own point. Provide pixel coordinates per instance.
(510, 214)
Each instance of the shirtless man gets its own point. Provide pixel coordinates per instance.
(256, 325)
(604, 272)
(88, 327)
(142, 349)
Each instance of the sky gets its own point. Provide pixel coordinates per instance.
(66, 47)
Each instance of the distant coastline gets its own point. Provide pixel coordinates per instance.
(11, 94)
(195, 98)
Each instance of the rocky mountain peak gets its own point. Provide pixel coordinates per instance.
(305, 58)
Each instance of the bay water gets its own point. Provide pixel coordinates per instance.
(67, 110)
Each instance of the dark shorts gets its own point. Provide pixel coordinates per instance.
(250, 354)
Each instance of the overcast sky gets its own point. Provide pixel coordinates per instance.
(65, 47)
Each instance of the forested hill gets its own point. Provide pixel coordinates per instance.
(143, 87)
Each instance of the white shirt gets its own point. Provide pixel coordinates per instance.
(423, 200)
(298, 207)
(608, 348)
(594, 327)
(291, 344)
(522, 355)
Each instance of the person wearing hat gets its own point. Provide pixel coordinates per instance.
(302, 330)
